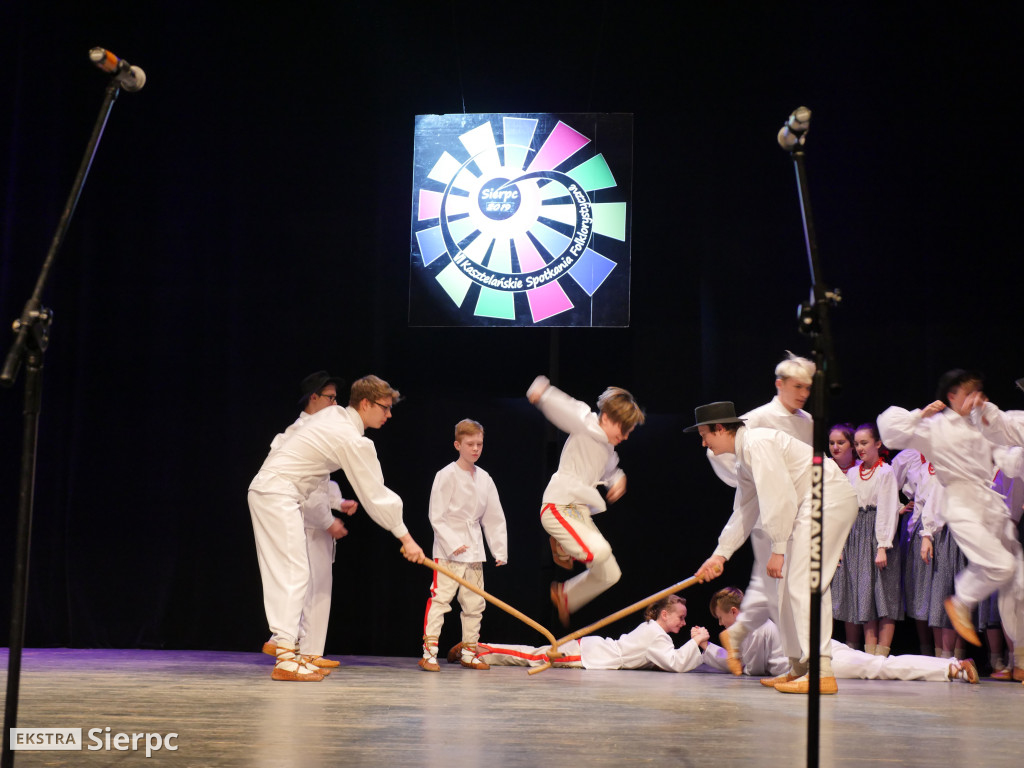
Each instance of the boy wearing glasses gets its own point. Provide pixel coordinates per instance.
(322, 529)
(329, 440)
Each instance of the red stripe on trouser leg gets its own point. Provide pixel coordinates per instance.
(433, 591)
(531, 656)
(588, 555)
(483, 648)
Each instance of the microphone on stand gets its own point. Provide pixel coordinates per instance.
(130, 78)
(793, 133)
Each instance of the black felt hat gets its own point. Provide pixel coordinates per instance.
(315, 382)
(723, 412)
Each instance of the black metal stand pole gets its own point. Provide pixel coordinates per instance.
(32, 335)
(814, 321)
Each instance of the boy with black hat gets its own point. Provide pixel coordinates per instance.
(773, 473)
(794, 377)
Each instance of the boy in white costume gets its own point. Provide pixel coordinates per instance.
(322, 528)
(330, 440)
(774, 487)
(588, 460)
(1005, 428)
(965, 462)
(464, 508)
(762, 653)
(646, 647)
(793, 379)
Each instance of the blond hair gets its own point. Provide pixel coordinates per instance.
(725, 599)
(619, 406)
(654, 611)
(468, 427)
(371, 388)
(796, 367)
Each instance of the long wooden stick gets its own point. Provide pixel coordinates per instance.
(491, 599)
(553, 653)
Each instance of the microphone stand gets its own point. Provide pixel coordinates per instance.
(814, 321)
(32, 331)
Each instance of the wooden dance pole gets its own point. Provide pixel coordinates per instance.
(491, 599)
(554, 655)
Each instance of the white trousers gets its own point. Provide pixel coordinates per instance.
(840, 510)
(316, 609)
(988, 538)
(573, 528)
(284, 562)
(857, 665)
(498, 655)
(443, 589)
(761, 598)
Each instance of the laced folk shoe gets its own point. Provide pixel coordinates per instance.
(291, 667)
(469, 658)
(429, 665)
(270, 648)
(733, 661)
(960, 616)
(559, 555)
(310, 664)
(559, 601)
(963, 669)
(771, 682)
(323, 663)
(803, 685)
(455, 654)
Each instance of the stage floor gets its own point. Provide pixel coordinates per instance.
(377, 711)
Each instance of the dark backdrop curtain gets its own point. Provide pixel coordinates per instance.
(247, 222)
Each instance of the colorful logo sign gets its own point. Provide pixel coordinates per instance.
(520, 220)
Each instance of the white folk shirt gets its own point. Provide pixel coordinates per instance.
(327, 441)
(646, 647)
(958, 450)
(906, 464)
(774, 487)
(460, 503)
(761, 651)
(316, 509)
(773, 415)
(878, 490)
(927, 501)
(588, 459)
(1005, 428)
(1001, 427)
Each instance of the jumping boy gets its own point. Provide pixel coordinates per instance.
(965, 462)
(588, 460)
(463, 500)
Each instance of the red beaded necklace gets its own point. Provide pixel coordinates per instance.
(871, 470)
